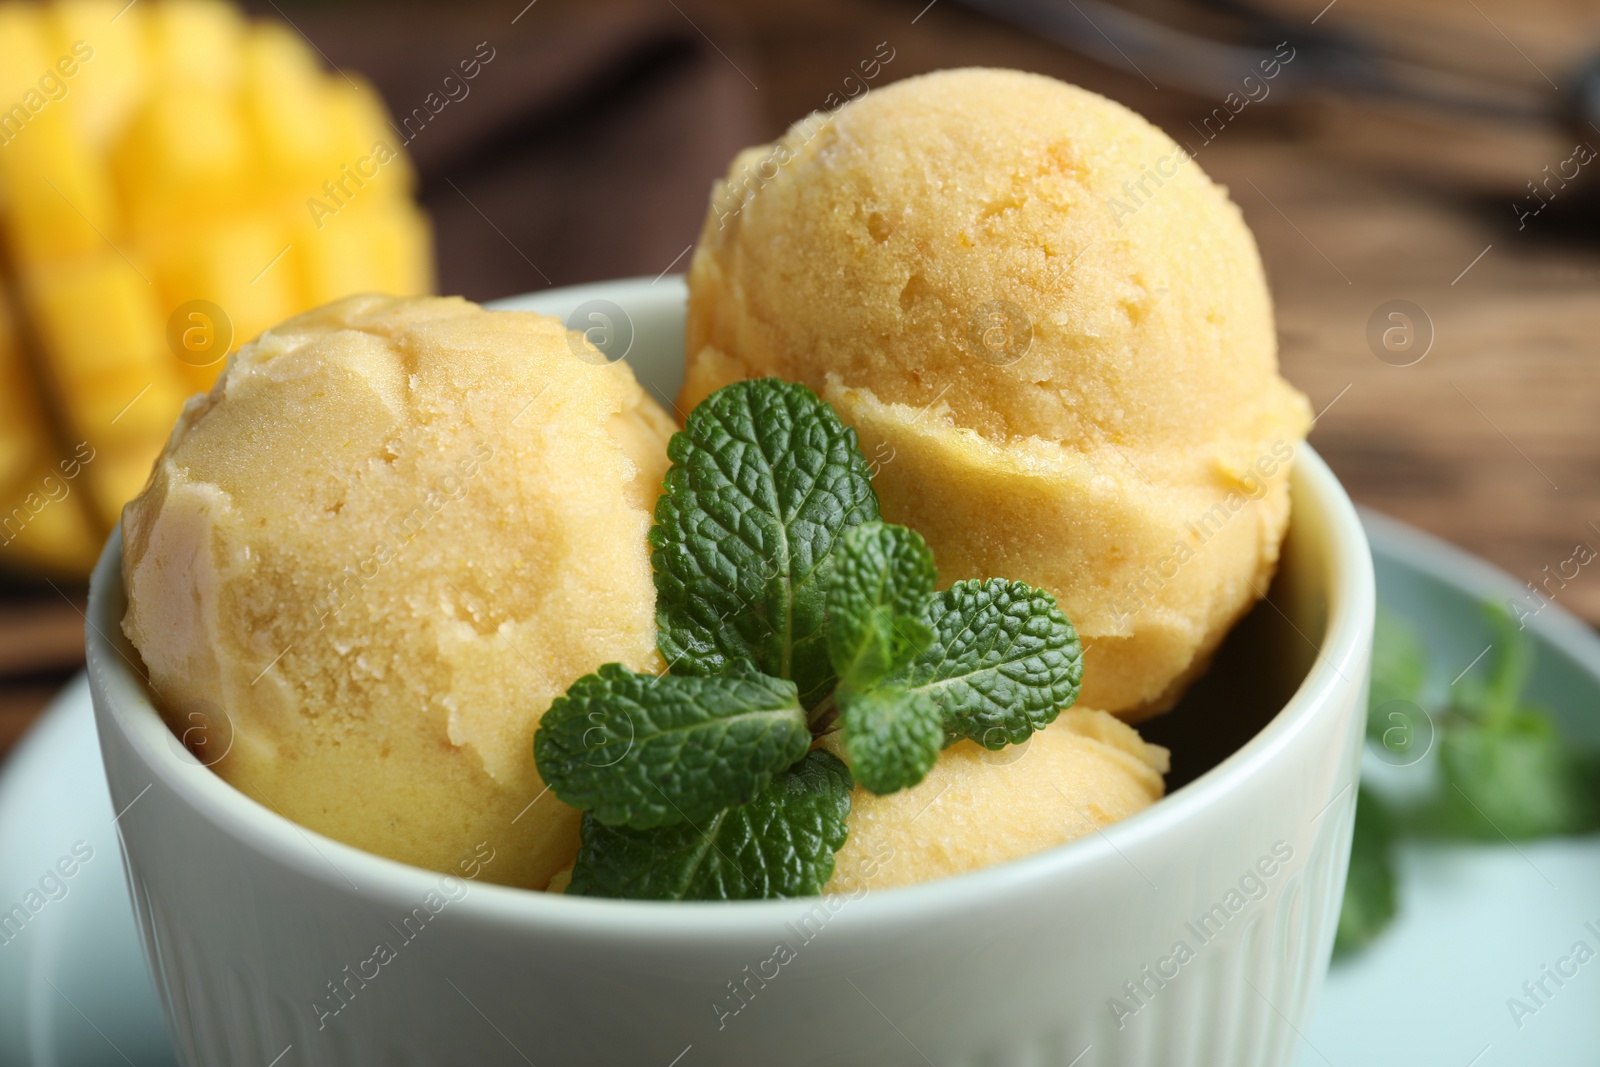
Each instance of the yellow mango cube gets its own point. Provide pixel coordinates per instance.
(239, 264)
(128, 405)
(24, 54)
(93, 316)
(195, 43)
(284, 102)
(57, 200)
(186, 155)
(120, 473)
(46, 524)
(104, 40)
(378, 247)
(367, 143)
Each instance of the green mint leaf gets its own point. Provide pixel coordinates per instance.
(1516, 778)
(1399, 669)
(892, 736)
(881, 576)
(780, 844)
(1369, 891)
(764, 479)
(1004, 661)
(644, 750)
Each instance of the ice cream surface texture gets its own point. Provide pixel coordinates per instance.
(1051, 331)
(374, 553)
(978, 808)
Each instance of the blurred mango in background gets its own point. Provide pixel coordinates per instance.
(174, 179)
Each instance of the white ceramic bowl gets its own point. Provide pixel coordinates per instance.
(1196, 932)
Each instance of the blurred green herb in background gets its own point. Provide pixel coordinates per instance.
(1503, 771)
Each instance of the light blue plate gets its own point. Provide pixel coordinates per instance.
(1475, 922)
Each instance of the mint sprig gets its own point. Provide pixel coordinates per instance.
(645, 751)
(785, 610)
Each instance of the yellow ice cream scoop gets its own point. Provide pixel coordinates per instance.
(978, 807)
(1051, 331)
(369, 559)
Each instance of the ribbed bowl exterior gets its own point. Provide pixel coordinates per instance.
(1078, 969)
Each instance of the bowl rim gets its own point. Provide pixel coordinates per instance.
(124, 705)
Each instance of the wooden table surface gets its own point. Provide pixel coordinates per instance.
(1489, 441)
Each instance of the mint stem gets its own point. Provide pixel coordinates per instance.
(823, 715)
